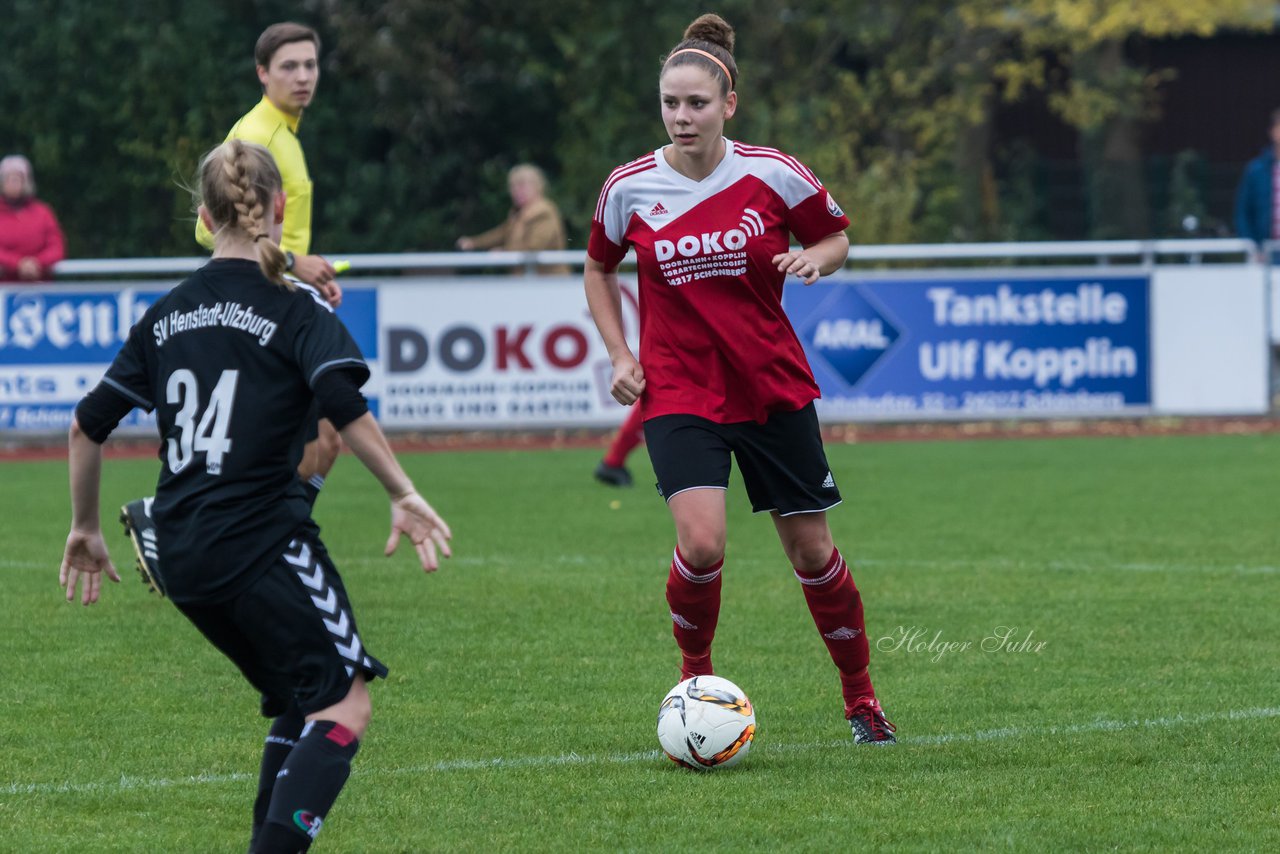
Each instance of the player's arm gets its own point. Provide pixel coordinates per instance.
(316, 271)
(341, 402)
(604, 299)
(295, 238)
(125, 386)
(491, 239)
(816, 259)
(85, 556)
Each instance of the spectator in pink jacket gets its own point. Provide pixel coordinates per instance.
(30, 238)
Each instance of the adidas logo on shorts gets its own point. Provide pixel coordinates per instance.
(829, 483)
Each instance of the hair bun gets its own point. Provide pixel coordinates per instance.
(711, 28)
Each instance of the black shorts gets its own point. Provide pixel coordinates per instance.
(782, 461)
(291, 632)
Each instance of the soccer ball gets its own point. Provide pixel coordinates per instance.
(706, 722)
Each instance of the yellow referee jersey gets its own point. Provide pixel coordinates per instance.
(267, 125)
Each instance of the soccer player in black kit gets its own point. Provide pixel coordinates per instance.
(231, 360)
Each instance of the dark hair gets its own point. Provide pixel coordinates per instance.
(277, 36)
(1275, 117)
(712, 34)
(238, 185)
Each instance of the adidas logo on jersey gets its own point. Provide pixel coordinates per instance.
(829, 483)
(658, 210)
(842, 633)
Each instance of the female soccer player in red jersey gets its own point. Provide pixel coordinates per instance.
(721, 371)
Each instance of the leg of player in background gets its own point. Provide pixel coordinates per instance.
(314, 772)
(281, 739)
(693, 585)
(613, 468)
(836, 606)
(318, 458)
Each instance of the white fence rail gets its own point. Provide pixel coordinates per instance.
(913, 332)
(1102, 252)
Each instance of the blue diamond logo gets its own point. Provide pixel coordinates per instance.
(849, 335)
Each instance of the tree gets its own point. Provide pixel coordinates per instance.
(114, 106)
(1105, 96)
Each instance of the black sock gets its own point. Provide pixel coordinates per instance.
(312, 487)
(280, 742)
(308, 784)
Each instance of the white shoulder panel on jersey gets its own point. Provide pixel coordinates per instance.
(315, 294)
(613, 210)
(655, 192)
(788, 177)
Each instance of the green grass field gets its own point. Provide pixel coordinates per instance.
(526, 674)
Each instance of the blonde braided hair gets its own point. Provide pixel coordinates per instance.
(238, 183)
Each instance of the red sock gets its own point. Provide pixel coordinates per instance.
(836, 607)
(630, 434)
(694, 597)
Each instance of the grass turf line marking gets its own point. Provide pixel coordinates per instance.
(885, 563)
(1004, 733)
(1065, 565)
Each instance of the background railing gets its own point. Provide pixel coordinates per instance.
(1101, 252)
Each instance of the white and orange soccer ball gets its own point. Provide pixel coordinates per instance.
(706, 722)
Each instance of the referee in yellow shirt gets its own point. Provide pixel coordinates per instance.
(287, 57)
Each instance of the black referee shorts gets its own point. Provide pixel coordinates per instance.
(292, 632)
(782, 462)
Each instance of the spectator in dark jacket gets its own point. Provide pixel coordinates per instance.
(1259, 192)
(30, 238)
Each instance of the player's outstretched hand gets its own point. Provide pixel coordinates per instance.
(628, 380)
(798, 264)
(83, 562)
(413, 517)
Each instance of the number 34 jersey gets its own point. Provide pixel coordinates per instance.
(714, 340)
(227, 360)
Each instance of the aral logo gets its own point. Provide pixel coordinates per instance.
(712, 242)
(849, 335)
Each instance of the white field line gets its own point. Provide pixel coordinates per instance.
(52, 563)
(888, 563)
(499, 762)
(1067, 565)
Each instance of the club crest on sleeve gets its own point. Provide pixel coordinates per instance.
(832, 207)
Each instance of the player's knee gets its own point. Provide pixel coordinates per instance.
(702, 550)
(809, 554)
(360, 718)
(354, 711)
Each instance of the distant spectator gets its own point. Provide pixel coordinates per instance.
(1259, 193)
(534, 223)
(30, 238)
